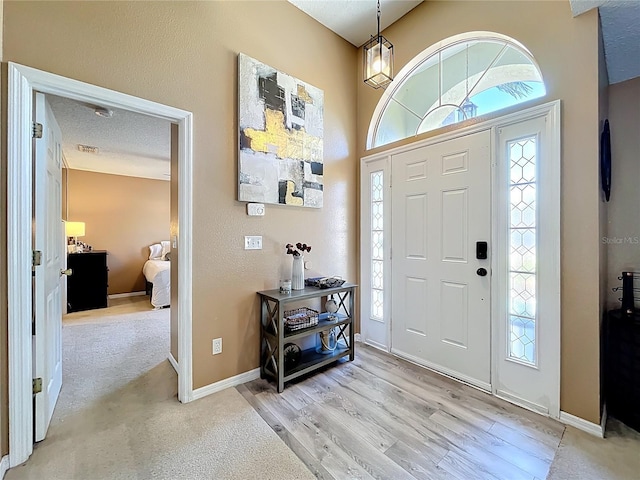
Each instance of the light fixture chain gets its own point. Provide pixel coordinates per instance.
(378, 20)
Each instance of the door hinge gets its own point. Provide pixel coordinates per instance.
(37, 385)
(36, 258)
(37, 130)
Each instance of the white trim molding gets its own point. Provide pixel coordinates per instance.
(173, 362)
(582, 424)
(226, 383)
(23, 81)
(126, 295)
(4, 466)
(19, 305)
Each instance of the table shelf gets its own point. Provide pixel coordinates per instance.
(312, 360)
(323, 324)
(274, 335)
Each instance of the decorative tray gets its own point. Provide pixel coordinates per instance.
(324, 282)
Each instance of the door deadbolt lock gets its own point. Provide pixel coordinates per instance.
(68, 272)
(481, 250)
(482, 272)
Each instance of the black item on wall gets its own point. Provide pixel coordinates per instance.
(605, 160)
(628, 304)
(87, 285)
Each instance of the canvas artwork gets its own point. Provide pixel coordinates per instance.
(281, 128)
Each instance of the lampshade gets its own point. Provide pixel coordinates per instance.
(378, 60)
(74, 229)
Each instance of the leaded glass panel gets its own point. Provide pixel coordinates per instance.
(522, 252)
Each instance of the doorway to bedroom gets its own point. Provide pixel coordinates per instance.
(115, 212)
(37, 238)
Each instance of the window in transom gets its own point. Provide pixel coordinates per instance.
(457, 79)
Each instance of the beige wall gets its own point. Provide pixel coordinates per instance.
(566, 49)
(185, 55)
(122, 215)
(603, 111)
(624, 224)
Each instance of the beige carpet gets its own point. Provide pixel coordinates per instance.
(585, 457)
(118, 416)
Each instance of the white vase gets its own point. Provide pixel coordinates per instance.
(297, 273)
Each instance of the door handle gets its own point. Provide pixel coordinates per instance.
(482, 272)
(68, 272)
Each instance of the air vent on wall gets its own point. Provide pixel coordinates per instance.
(88, 149)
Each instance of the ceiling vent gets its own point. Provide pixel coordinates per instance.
(88, 149)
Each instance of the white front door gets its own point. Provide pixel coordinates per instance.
(441, 206)
(48, 239)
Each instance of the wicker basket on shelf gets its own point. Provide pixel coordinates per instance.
(300, 318)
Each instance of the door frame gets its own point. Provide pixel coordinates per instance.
(552, 111)
(22, 81)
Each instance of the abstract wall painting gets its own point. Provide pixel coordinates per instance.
(280, 131)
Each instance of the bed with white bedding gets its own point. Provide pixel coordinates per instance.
(157, 271)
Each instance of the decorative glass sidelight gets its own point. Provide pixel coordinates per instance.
(522, 252)
(377, 248)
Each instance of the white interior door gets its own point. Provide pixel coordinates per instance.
(48, 238)
(441, 206)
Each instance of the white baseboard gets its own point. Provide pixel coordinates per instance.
(358, 337)
(173, 362)
(124, 295)
(4, 466)
(226, 383)
(581, 424)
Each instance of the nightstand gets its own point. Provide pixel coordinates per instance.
(87, 285)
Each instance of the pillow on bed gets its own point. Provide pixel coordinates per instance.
(155, 251)
(166, 248)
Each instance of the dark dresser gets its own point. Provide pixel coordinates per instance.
(87, 286)
(622, 366)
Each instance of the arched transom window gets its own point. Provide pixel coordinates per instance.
(462, 77)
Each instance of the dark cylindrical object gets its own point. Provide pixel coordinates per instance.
(627, 292)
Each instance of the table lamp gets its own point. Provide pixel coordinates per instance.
(73, 230)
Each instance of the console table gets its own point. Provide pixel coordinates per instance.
(274, 336)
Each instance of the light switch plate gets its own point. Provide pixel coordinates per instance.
(255, 209)
(253, 242)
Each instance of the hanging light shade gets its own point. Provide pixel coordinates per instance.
(378, 60)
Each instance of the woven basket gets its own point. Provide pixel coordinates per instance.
(300, 318)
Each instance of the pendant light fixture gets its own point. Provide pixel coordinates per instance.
(378, 60)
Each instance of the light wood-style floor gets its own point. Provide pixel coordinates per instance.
(381, 417)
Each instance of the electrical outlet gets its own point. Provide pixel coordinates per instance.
(253, 242)
(217, 346)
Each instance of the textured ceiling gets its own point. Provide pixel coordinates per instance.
(620, 20)
(129, 143)
(355, 20)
